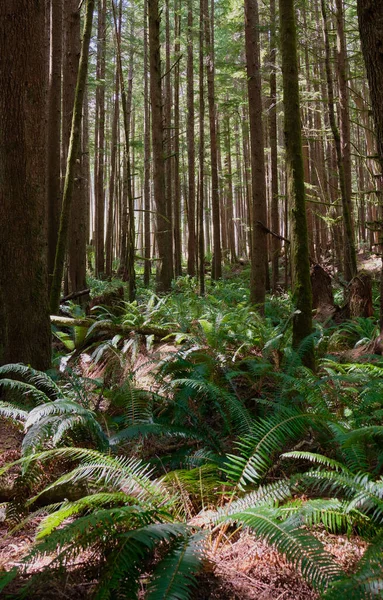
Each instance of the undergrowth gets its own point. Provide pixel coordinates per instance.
(225, 422)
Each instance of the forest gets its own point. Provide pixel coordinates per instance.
(191, 299)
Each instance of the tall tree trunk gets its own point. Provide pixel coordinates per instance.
(191, 211)
(350, 267)
(112, 178)
(177, 133)
(74, 147)
(147, 220)
(54, 130)
(77, 238)
(128, 269)
(302, 321)
(164, 230)
(216, 271)
(230, 204)
(201, 154)
(275, 242)
(370, 15)
(100, 139)
(24, 317)
(259, 211)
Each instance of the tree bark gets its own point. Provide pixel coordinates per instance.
(216, 272)
(302, 296)
(147, 252)
(74, 147)
(370, 15)
(164, 230)
(350, 267)
(275, 243)
(54, 126)
(259, 211)
(201, 154)
(24, 317)
(100, 140)
(191, 209)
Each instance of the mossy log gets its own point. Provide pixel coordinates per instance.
(107, 327)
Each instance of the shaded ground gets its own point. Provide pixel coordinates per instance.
(245, 569)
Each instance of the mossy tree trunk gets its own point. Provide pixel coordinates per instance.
(302, 321)
(258, 209)
(24, 317)
(74, 147)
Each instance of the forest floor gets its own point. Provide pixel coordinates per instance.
(245, 569)
(242, 568)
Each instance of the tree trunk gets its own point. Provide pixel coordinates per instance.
(112, 179)
(275, 242)
(100, 139)
(74, 147)
(302, 321)
(24, 317)
(147, 253)
(191, 216)
(127, 266)
(216, 271)
(77, 238)
(370, 16)
(201, 154)
(350, 267)
(259, 211)
(54, 126)
(164, 230)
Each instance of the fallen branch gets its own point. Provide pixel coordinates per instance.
(276, 235)
(75, 295)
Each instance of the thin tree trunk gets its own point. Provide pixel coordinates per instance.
(74, 147)
(126, 100)
(201, 183)
(147, 253)
(350, 267)
(275, 242)
(100, 139)
(177, 132)
(191, 216)
(216, 272)
(54, 130)
(112, 179)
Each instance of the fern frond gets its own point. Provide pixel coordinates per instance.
(268, 437)
(299, 547)
(317, 459)
(174, 576)
(39, 379)
(66, 509)
(119, 473)
(145, 429)
(25, 390)
(268, 495)
(10, 411)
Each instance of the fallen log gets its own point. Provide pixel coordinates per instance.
(112, 328)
